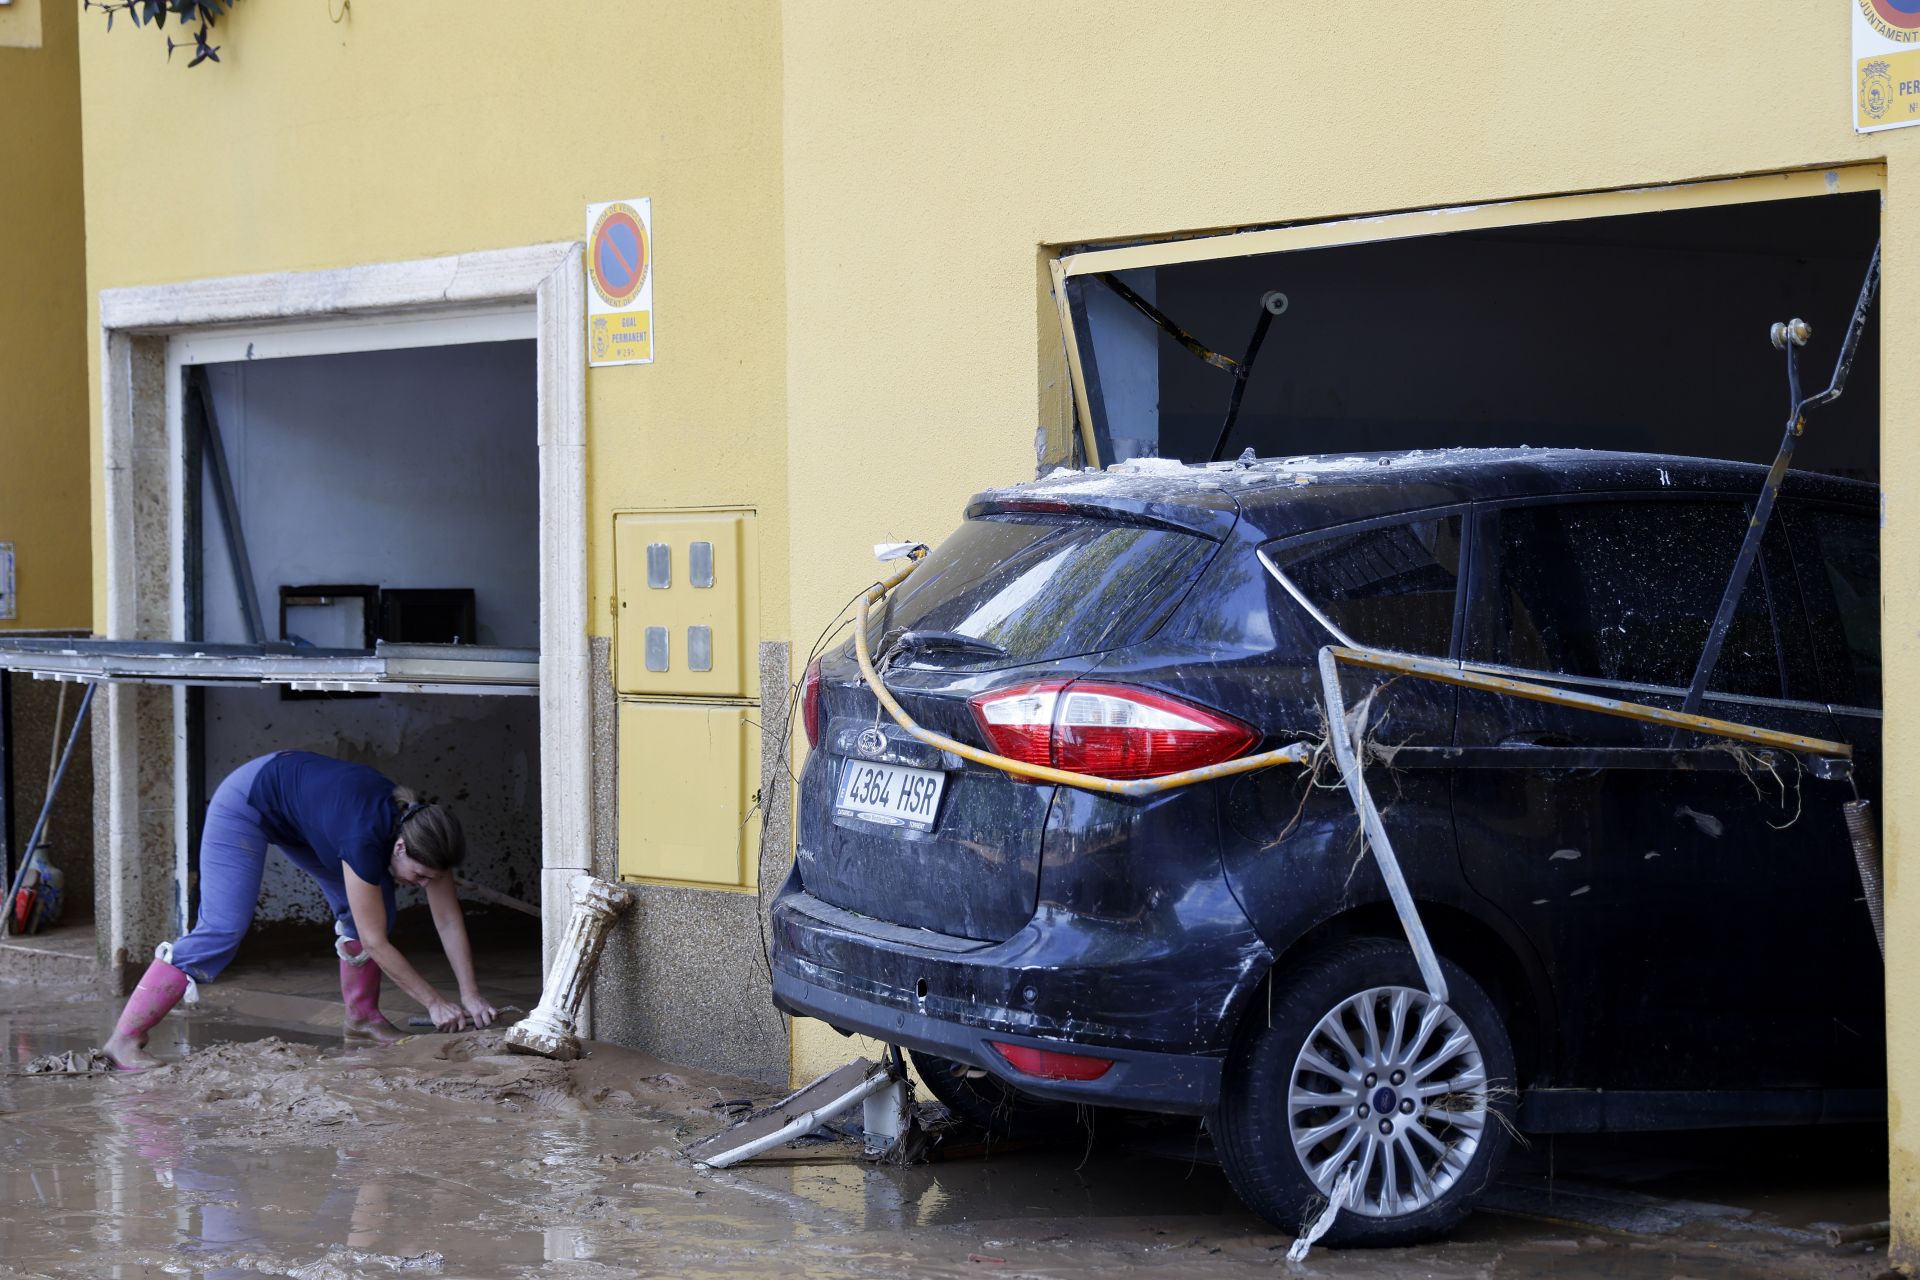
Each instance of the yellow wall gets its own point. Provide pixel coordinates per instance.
(407, 131)
(931, 155)
(853, 205)
(43, 339)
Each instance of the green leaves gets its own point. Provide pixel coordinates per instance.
(186, 13)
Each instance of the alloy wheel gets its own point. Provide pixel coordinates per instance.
(1392, 1083)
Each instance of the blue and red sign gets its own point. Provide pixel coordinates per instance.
(617, 255)
(1894, 19)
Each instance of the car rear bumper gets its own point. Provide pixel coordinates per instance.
(1145, 1081)
(1044, 988)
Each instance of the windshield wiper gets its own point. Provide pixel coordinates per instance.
(941, 641)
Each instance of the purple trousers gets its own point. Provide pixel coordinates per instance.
(233, 858)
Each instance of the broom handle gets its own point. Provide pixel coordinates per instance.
(53, 739)
(494, 896)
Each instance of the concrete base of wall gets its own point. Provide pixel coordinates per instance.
(61, 957)
(684, 974)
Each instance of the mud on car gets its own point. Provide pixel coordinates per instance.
(1637, 931)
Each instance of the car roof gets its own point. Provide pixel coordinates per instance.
(1279, 497)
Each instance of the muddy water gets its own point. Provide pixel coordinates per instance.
(269, 1151)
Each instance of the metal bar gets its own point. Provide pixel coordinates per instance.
(193, 501)
(1529, 756)
(1346, 756)
(196, 801)
(1245, 371)
(1459, 674)
(837, 1093)
(1086, 372)
(1070, 338)
(1855, 327)
(46, 810)
(462, 689)
(494, 896)
(1193, 345)
(190, 664)
(229, 507)
(1790, 342)
(1442, 670)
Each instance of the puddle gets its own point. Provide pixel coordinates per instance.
(278, 1151)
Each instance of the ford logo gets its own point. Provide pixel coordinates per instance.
(871, 743)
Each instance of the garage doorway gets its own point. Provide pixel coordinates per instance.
(1621, 320)
(334, 375)
(383, 497)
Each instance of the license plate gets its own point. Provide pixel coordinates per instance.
(890, 793)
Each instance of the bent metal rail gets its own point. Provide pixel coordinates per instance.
(1446, 672)
(1346, 742)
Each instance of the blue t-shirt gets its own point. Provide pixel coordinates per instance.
(342, 811)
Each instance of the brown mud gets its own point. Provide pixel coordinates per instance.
(277, 1149)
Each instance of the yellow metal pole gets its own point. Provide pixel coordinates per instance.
(1301, 752)
(1456, 674)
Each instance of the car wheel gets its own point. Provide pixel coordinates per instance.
(1354, 1065)
(988, 1102)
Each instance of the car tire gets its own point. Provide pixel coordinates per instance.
(990, 1103)
(1268, 1138)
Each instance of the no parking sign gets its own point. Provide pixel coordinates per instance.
(620, 282)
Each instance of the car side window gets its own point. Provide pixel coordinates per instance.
(1836, 554)
(1389, 587)
(1626, 591)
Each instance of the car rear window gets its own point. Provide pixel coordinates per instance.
(1043, 589)
(1391, 587)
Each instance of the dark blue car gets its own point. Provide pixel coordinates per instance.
(1637, 931)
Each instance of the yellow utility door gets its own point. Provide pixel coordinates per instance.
(686, 594)
(687, 778)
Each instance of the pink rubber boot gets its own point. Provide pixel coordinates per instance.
(360, 992)
(160, 989)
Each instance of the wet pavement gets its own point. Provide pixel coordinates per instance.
(273, 1149)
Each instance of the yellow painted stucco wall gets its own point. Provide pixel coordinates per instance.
(933, 154)
(412, 130)
(43, 339)
(854, 207)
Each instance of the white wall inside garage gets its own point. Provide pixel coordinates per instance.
(408, 468)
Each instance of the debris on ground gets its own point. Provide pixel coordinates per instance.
(293, 1155)
(74, 1062)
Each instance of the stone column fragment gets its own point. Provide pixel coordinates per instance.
(549, 1029)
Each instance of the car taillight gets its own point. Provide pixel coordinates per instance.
(1046, 1064)
(1108, 730)
(810, 702)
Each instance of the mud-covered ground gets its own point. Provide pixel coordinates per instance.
(277, 1151)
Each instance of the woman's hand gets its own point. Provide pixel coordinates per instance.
(479, 1010)
(446, 1015)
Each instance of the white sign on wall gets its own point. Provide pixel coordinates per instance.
(620, 282)
(8, 608)
(1886, 64)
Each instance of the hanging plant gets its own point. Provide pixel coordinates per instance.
(185, 14)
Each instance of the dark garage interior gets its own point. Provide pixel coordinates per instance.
(1637, 332)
